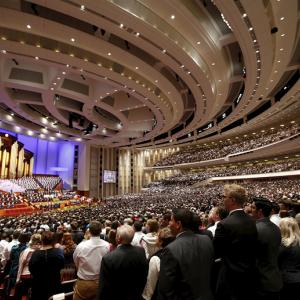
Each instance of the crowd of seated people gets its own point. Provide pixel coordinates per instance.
(29, 183)
(48, 182)
(228, 170)
(34, 183)
(229, 146)
(8, 200)
(150, 209)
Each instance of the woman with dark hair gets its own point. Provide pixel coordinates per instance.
(45, 266)
(68, 246)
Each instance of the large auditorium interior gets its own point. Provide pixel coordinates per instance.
(149, 149)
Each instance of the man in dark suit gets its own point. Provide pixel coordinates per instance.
(123, 271)
(186, 263)
(268, 244)
(235, 243)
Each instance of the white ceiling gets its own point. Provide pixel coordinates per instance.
(143, 73)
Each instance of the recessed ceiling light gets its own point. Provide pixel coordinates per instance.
(156, 81)
(54, 83)
(72, 40)
(3, 51)
(282, 18)
(251, 28)
(56, 50)
(38, 45)
(3, 38)
(198, 43)
(136, 68)
(137, 34)
(189, 72)
(82, 7)
(28, 26)
(64, 73)
(281, 49)
(275, 71)
(164, 51)
(37, 58)
(213, 64)
(109, 54)
(52, 89)
(244, 15)
(254, 41)
(172, 17)
(283, 34)
(121, 25)
(278, 61)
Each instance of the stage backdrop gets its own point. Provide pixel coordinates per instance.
(50, 157)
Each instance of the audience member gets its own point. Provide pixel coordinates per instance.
(186, 263)
(289, 258)
(165, 237)
(123, 272)
(87, 258)
(235, 242)
(45, 266)
(268, 244)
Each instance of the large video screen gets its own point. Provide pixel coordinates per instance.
(109, 176)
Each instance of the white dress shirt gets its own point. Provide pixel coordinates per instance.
(153, 272)
(88, 256)
(213, 228)
(137, 238)
(275, 219)
(3, 244)
(6, 252)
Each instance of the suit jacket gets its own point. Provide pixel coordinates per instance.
(123, 274)
(185, 268)
(235, 243)
(269, 240)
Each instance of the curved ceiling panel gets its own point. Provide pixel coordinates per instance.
(145, 73)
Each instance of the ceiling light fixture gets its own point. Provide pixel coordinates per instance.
(82, 7)
(28, 26)
(72, 40)
(172, 17)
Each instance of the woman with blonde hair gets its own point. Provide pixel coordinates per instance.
(165, 237)
(24, 276)
(289, 257)
(149, 241)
